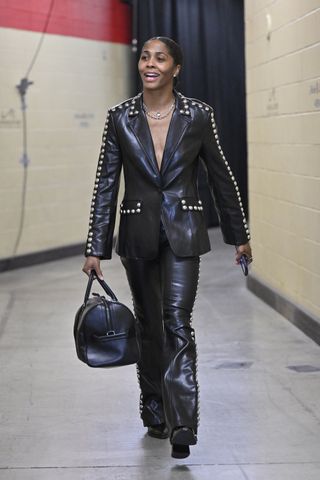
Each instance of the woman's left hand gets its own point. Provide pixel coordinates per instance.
(244, 250)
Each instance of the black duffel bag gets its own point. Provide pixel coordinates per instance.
(105, 330)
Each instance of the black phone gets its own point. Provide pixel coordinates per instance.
(244, 263)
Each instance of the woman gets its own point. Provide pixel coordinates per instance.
(158, 137)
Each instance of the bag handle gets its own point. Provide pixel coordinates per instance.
(103, 284)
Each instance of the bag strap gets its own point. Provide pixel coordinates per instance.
(103, 284)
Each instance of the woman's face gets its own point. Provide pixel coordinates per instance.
(156, 66)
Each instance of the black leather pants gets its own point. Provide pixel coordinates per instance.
(164, 291)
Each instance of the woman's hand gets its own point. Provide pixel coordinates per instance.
(92, 263)
(244, 250)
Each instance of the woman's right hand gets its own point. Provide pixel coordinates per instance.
(92, 263)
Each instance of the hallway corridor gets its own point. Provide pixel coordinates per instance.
(60, 420)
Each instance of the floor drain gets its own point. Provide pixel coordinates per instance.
(304, 368)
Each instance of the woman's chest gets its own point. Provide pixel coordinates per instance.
(159, 132)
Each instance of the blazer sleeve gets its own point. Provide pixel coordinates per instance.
(105, 194)
(224, 187)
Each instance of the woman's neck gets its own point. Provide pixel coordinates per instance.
(158, 99)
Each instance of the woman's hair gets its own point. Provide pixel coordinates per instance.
(174, 50)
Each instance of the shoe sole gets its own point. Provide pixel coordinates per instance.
(184, 436)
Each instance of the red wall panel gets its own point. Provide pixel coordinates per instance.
(107, 20)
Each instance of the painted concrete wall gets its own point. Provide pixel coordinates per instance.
(81, 70)
(283, 108)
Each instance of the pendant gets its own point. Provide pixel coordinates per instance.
(158, 115)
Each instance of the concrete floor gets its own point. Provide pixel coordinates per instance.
(259, 386)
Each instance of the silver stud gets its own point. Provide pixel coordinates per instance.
(133, 211)
(195, 207)
(199, 201)
(138, 210)
(139, 204)
(184, 207)
(183, 201)
(190, 207)
(181, 111)
(207, 108)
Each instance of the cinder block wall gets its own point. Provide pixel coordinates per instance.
(283, 108)
(82, 69)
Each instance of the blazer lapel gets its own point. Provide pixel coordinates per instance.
(139, 126)
(179, 122)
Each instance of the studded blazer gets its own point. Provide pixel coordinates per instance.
(169, 194)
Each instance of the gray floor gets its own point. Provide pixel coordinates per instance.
(259, 386)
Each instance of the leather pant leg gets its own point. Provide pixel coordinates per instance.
(163, 293)
(180, 387)
(144, 281)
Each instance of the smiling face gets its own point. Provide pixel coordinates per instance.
(156, 66)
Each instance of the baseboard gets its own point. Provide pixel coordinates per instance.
(30, 259)
(299, 317)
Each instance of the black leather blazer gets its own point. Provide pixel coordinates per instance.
(169, 194)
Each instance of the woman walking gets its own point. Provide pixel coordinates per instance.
(158, 137)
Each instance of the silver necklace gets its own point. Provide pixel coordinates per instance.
(158, 115)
